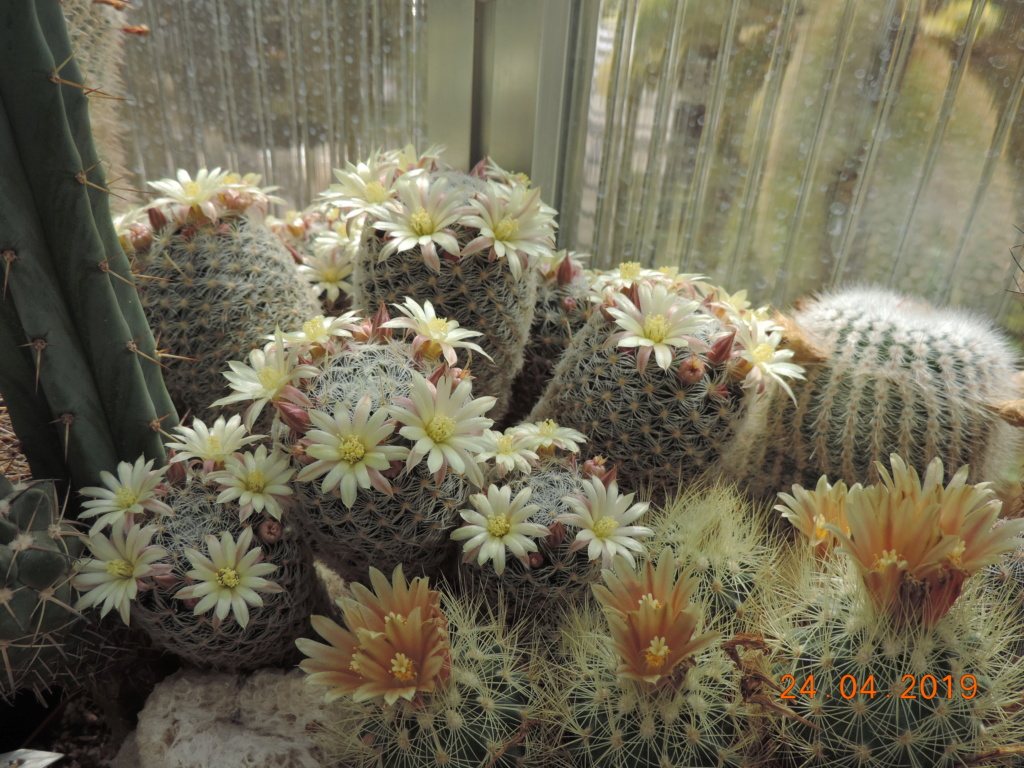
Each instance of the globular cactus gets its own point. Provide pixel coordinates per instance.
(238, 593)
(665, 421)
(464, 243)
(881, 663)
(418, 680)
(716, 535)
(657, 693)
(41, 633)
(885, 374)
(214, 279)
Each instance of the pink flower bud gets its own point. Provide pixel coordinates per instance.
(270, 531)
(569, 304)
(157, 220)
(176, 473)
(595, 467)
(295, 416)
(721, 349)
(691, 370)
(536, 560)
(556, 534)
(567, 271)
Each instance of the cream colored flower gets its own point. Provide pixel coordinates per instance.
(210, 446)
(330, 266)
(190, 195)
(509, 451)
(512, 225)
(499, 523)
(229, 578)
(133, 492)
(605, 518)
(811, 511)
(349, 449)
(421, 217)
(363, 188)
(322, 335)
(257, 481)
(547, 435)
(759, 341)
(436, 337)
(660, 323)
(446, 423)
(121, 564)
(271, 375)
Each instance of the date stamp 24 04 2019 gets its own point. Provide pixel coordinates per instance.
(913, 687)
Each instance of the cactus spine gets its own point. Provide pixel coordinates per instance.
(84, 333)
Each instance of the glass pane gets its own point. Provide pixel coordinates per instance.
(286, 88)
(786, 145)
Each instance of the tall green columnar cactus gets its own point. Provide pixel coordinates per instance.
(84, 342)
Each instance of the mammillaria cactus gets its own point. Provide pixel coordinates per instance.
(428, 684)
(464, 243)
(886, 373)
(663, 376)
(881, 662)
(656, 693)
(215, 280)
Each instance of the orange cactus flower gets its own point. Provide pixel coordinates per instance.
(651, 623)
(396, 645)
(811, 511)
(915, 543)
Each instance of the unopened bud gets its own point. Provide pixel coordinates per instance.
(691, 370)
(567, 270)
(270, 531)
(536, 560)
(556, 534)
(393, 470)
(176, 474)
(609, 477)
(569, 304)
(295, 416)
(721, 349)
(595, 467)
(157, 220)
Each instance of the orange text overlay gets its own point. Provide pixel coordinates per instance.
(910, 687)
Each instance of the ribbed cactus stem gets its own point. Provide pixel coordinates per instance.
(89, 339)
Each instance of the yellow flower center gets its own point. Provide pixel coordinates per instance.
(648, 599)
(547, 428)
(269, 378)
(440, 428)
(763, 353)
(438, 325)
(351, 449)
(656, 328)
(629, 270)
(820, 534)
(887, 558)
(503, 444)
(126, 498)
(402, 668)
(314, 329)
(191, 190)
(255, 481)
(506, 229)
(228, 577)
(956, 557)
(331, 275)
(422, 223)
(120, 568)
(354, 666)
(656, 653)
(605, 527)
(498, 526)
(392, 616)
(375, 192)
(213, 446)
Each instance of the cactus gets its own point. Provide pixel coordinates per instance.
(660, 424)
(41, 634)
(887, 374)
(80, 325)
(214, 279)
(318, 240)
(563, 306)
(891, 667)
(435, 687)
(671, 698)
(716, 535)
(457, 241)
(257, 634)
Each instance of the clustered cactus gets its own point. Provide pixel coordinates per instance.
(580, 588)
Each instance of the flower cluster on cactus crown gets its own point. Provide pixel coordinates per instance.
(419, 204)
(913, 541)
(657, 312)
(501, 523)
(651, 623)
(212, 195)
(395, 645)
